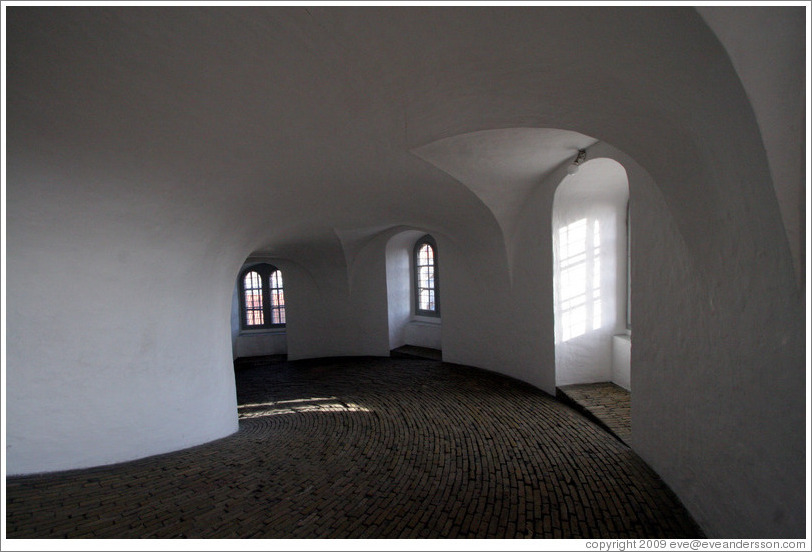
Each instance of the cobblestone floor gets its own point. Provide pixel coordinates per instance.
(369, 448)
(609, 403)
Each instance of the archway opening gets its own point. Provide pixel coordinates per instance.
(592, 291)
(259, 313)
(413, 295)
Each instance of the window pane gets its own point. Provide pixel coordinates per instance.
(252, 293)
(254, 317)
(252, 281)
(424, 299)
(277, 298)
(253, 299)
(424, 268)
(425, 256)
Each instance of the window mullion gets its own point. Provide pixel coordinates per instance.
(266, 299)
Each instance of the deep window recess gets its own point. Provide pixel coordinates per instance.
(426, 277)
(262, 297)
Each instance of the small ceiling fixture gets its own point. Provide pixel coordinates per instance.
(573, 168)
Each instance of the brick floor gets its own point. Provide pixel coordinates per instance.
(413, 351)
(609, 403)
(369, 448)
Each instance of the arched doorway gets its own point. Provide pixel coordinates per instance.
(591, 287)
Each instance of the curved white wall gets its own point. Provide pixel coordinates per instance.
(589, 267)
(398, 287)
(138, 182)
(773, 74)
(107, 308)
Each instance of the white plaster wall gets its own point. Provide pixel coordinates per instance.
(235, 321)
(399, 285)
(320, 319)
(425, 333)
(622, 361)
(767, 48)
(368, 299)
(491, 322)
(261, 344)
(122, 373)
(147, 179)
(594, 199)
(338, 307)
(309, 326)
(704, 413)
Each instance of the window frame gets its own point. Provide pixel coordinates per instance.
(431, 242)
(265, 271)
(628, 267)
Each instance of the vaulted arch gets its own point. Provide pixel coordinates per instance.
(147, 162)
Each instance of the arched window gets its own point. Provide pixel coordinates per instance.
(426, 277)
(262, 297)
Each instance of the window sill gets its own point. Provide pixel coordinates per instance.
(264, 331)
(427, 320)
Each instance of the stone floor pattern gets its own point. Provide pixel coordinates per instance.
(369, 448)
(606, 401)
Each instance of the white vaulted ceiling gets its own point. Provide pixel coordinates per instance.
(151, 150)
(321, 118)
